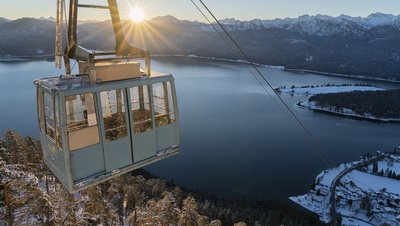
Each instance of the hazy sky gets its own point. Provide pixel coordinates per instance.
(183, 9)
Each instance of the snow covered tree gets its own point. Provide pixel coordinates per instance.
(189, 213)
(169, 213)
(240, 224)
(67, 207)
(177, 192)
(15, 148)
(24, 202)
(34, 154)
(162, 212)
(366, 204)
(202, 220)
(155, 187)
(97, 208)
(116, 196)
(215, 223)
(134, 195)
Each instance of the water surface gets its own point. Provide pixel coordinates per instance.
(235, 140)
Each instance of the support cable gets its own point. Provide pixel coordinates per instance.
(311, 139)
(226, 42)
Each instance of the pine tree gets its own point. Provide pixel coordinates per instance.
(215, 223)
(189, 213)
(155, 187)
(375, 167)
(24, 202)
(34, 154)
(65, 206)
(177, 192)
(390, 174)
(202, 220)
(15, 148)
(169, 212)
(134, 195)
(3, 152)
(162, 212)
(144, 215)
(116, 196)
(97, 208)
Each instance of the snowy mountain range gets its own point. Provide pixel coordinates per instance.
(363, 46)
(321, 25)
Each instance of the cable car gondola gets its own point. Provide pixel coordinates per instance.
(111, 118)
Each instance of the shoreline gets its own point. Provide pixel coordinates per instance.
(26, 58)
(379, 79)
(307, 105)
(241, 61)
(343, 75)
(283, 68)
(335, 189)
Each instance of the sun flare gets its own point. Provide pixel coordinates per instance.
(136, 15)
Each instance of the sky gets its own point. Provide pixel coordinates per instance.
(183, 9)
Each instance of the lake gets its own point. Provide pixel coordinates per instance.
(235, 141)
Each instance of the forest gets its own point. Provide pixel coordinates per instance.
(373, 53)
(379, 104)
(31, 195)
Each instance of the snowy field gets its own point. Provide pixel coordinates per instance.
(317, 200)
(361, 198)
(386, 166)
(372, 183)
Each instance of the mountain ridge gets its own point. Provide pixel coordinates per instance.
(368, 46)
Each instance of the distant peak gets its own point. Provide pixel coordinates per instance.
(381, 15)
(167, 18)
(305, 16)
(4, 19)
(229, 21)
(47, 18)
(381, 19)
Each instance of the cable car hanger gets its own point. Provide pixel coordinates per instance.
(123, 49)
(111, 118)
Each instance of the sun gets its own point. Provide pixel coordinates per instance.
(136, 15)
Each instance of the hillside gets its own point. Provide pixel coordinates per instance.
(31, 195)
(26, 37)
(367, 46)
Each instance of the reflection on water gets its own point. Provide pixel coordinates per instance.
(235, 141)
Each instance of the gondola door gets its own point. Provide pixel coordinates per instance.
(115, 130)
(141, 115)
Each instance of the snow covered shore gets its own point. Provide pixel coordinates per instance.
(364, 196)
(312, 105)
(327, 89)
(224, 59)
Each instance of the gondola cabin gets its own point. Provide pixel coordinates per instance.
(92, 132)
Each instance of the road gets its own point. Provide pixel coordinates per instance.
(336, 216)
